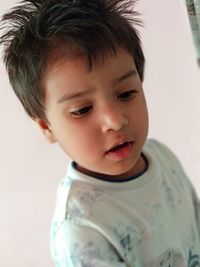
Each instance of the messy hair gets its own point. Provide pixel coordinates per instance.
(36, 28)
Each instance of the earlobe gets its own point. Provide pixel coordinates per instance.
(46, 130)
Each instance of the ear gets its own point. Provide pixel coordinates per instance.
(46, 130)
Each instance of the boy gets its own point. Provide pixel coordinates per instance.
(77, 68)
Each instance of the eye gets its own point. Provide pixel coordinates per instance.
(81, 112)
(125, 96)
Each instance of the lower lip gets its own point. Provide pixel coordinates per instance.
(121, 153)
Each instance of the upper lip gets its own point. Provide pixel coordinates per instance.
(119, 142)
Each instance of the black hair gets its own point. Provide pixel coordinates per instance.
(35, 28)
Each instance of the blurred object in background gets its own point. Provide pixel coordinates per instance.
(193, 8)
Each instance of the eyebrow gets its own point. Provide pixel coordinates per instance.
(125, 76)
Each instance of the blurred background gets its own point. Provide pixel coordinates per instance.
(31, 168)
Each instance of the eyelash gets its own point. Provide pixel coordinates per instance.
(128, 95)
(125, 97)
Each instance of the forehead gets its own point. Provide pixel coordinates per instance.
(73, 54)
(58, 51)
(73, 73)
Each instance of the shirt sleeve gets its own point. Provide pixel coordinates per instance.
(196, 203)
(81, 246)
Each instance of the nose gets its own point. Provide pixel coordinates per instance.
(113, 118)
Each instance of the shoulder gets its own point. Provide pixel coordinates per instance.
(167, 160)
(158, 146)
(162, 152)
(168, 163)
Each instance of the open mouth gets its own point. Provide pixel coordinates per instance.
(119, 147)
(120, 152)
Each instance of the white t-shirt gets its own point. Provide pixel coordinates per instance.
(148, 221)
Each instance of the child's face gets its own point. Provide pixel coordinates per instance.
(90, 112)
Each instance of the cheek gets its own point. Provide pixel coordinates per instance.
(139, 115)
(142, 109)
(78, 136)
(139, 112)
(73, 134)
(82, 148)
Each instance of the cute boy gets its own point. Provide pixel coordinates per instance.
(77, 68)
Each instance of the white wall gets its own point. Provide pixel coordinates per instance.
(172, 82)
(31, 168)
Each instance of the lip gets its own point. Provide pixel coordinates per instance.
(121, 153)
(120, 142)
